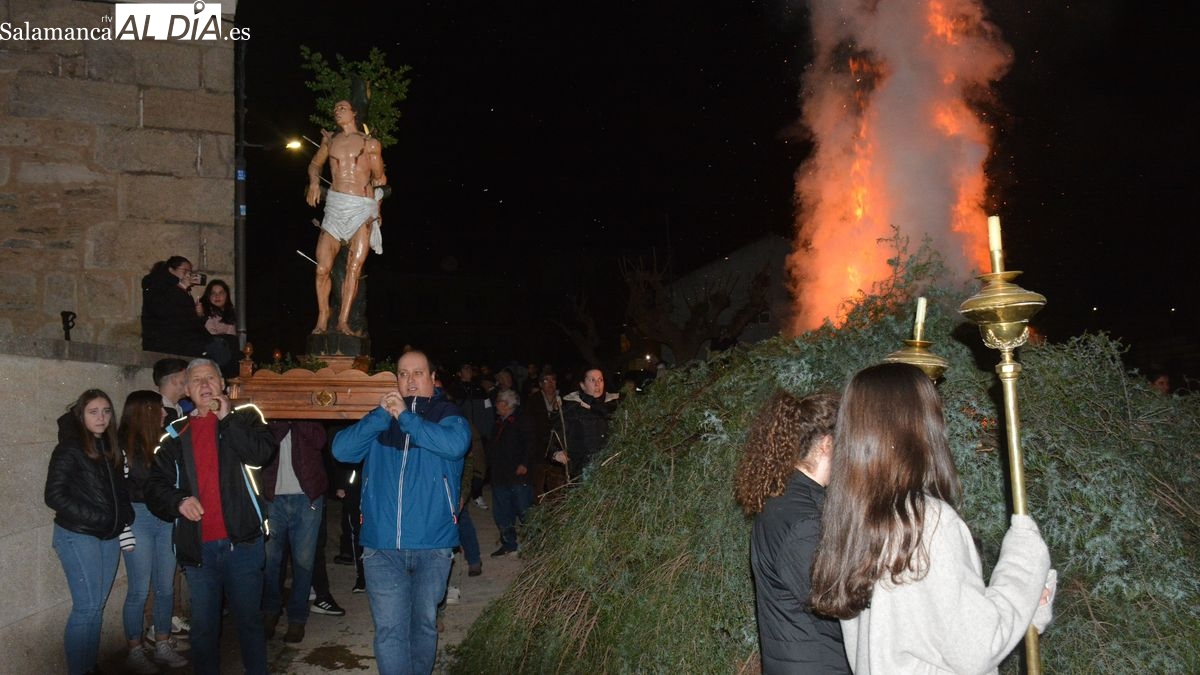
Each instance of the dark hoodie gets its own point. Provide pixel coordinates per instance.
(89, 496)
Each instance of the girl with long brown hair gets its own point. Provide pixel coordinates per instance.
(151, 564)
(780, 481)
(85, 485)
(895, 561)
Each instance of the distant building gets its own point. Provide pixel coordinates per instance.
(735, 272)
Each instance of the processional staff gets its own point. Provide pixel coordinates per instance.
(1002, 311)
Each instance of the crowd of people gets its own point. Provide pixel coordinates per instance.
(188, 482)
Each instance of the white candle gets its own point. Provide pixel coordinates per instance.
(994, 233)
(919, 327)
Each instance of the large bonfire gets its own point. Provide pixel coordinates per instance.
(895, 102)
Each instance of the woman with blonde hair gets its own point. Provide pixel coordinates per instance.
(896, 563)
(780, 481)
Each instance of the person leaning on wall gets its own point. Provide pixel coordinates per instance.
(86, 487)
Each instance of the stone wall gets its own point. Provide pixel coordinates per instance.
(112, 155)
(38, 380)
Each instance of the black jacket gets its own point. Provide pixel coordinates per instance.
(549, 434)
(587, 426)
(791, 637)
(89, 496)
(511, 446)
(243, 446)
(169, 321)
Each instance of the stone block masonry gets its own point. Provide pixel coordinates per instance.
(113, 154)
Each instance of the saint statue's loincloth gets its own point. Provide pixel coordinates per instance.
(345, 213)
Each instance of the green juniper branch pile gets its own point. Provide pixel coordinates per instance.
(645, 567)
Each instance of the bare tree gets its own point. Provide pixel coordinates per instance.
(582, 330)
(654, 301)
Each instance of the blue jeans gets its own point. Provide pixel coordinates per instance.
(236, 571)
(295, 523)
(509, 504)
(90, 565)
(467, 537)
(404, 588)
(151, 564)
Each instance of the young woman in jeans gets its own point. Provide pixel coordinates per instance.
(152, 561)
(86, 487)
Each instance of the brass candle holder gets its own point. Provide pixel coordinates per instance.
(916, 351)
(1002, 311)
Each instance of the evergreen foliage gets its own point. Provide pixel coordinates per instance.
(386, 89)
(644, 568)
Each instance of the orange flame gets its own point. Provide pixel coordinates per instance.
(897, 145)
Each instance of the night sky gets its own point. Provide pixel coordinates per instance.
(541, 142)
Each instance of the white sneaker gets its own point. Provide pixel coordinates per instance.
(138, 661)
(165, 654)
(453, 595)
(180, 625)
(178, 642)
(479, 503)
(312, 595)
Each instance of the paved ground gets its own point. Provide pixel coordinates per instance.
(343, 644)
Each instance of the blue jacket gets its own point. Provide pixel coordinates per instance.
(412, 473)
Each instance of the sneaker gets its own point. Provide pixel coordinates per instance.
(180, 625)
(360, 586)
(295, 632)
(479, 503)
(164, 653)
(474, 570)
(138, 661)
(453, 595)
(500, 552)
(312, 595)
(328, 607)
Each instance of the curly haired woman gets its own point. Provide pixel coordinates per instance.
(781, 480)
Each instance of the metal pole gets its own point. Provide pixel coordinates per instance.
(239, 193)
(1008, 370)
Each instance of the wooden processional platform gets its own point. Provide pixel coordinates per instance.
(341, 391)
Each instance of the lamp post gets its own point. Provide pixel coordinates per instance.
(1002, 311)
